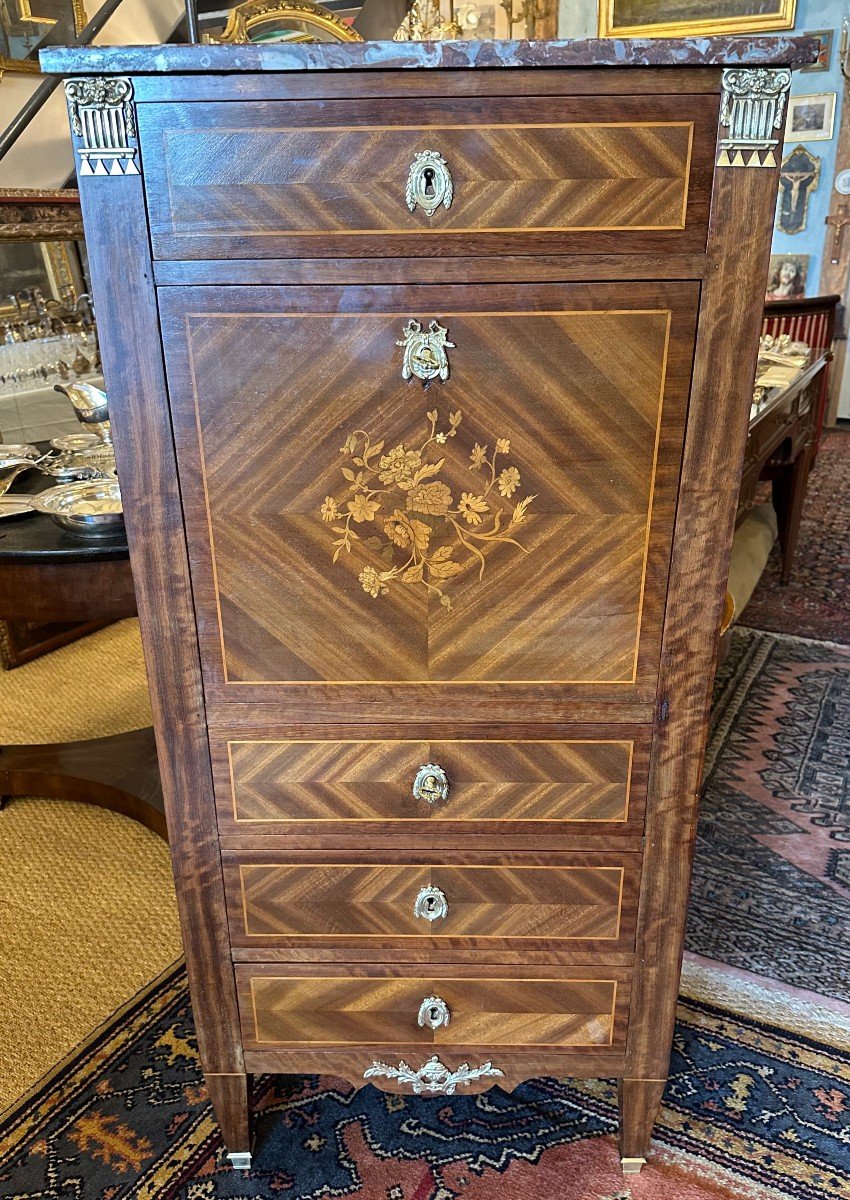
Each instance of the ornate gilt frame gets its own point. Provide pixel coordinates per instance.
(59, 269)
(35, 215)
(245, 17)
(32, 68)
(607, 27)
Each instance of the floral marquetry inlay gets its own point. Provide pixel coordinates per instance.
(424, 533)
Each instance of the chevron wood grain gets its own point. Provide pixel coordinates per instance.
(327, 177)
(572, 595)
(276, 781)
(498, 1012)
(275, 900)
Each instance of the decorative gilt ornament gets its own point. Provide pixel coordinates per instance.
(797, 180)
(434, 1076)
(425, 352)
(429, 183)
(103, 122)
(424, 23)
(752, 108)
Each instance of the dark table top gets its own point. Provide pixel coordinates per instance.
(36, 539)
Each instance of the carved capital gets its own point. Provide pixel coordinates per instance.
(103, 122)
(752, 109)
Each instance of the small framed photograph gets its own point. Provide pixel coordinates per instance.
(824, 58)
(810, 118)
(786, 279)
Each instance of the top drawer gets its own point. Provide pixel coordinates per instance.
(628, 174)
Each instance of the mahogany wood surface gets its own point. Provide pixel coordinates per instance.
(310, 680)
(330, 177)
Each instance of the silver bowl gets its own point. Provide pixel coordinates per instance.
(89, 509)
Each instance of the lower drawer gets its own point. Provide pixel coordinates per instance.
(582, 1007)
(582, 900)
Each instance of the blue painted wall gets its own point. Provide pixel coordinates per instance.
(813, 15)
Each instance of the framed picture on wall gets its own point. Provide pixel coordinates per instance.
(683, 18)
(28, 26)
(825, 37)
(786, 279)
(810, 118)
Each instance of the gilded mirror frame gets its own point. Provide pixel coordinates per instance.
(702, 26)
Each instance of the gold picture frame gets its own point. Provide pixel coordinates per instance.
(609, 26)
(55, 267)
(24, 12)
(310, 22)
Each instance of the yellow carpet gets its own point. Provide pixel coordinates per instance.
(87, 909)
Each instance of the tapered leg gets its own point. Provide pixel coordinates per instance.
(792, 510)
(231, 1101)
(639, 1101)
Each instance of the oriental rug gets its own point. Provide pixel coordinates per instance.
(752, 1112)
(816, 601)
(771, 883)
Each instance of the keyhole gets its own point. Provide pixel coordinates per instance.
(430, 904)
(428, 174)
(434, 1013)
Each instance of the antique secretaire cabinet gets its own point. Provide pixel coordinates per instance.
(429, 367)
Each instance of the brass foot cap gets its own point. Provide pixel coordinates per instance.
(241, 1160)
(632, 1166)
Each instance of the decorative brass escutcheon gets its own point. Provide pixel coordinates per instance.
(429, 182)
(433, 1012)
(431, 784)
(431, 903)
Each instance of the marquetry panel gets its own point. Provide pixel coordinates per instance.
(355, 781)
(584, 900)
(532, 549)
(316, 178)
(384, 1011)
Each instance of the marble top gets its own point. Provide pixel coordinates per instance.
(461, 55)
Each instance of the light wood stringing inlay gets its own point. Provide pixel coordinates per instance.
(550, 178)
(371, 780)
(512, 1012)
(330, 900)
(530, 627)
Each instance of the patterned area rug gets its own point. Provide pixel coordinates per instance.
(751, 1113)
(816, 602)
(772, 868)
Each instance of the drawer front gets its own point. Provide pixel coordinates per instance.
(510, 525)
(590, 899)
(596, 783)
(277, 1010)
(349, 178)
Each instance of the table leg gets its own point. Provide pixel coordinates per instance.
(789, 492)
(119, 772)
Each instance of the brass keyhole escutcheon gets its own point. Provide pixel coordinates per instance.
(431, 784)
(429, 183)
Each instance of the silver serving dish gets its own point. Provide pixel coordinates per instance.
(75, 441)
(89, 509)
(18, 450)
(16, 506)
(95, 462)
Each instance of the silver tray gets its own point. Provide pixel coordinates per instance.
(18, 450)
(89, 509)
(75, 441)
(16, 506)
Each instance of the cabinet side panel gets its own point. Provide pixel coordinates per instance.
(724, 366)
(118, 247)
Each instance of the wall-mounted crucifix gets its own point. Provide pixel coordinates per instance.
(839, 221)
(797, 180)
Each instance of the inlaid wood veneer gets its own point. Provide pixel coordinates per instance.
(330, 177)
(352, 781)
(590, 900)
(508, 1012)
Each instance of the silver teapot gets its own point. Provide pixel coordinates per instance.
(90, 405)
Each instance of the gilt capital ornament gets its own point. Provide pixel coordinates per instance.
(103, 123)
(752, 110)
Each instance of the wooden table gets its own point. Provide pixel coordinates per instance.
(49, 575)
(780, 444)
